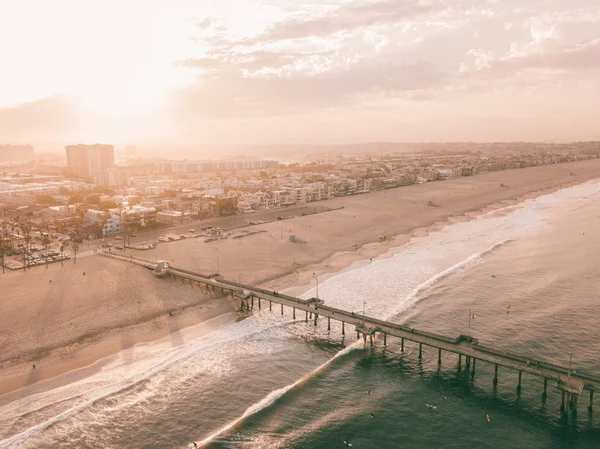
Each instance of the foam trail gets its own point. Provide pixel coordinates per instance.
(421, 259)
(272, 397)
(175, 355)
(412, 298)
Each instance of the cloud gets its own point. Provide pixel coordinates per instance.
(229, 61)
(230, 96)
(204, 23)
(547, 54)
(347, 17)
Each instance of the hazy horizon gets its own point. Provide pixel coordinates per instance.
(333, 72)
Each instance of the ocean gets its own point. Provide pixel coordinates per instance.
(273, 382)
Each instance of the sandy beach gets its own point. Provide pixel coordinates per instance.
(61, 319)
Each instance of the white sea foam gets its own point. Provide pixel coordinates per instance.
(388, 285)
(273, 396)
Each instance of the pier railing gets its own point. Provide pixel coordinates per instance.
(571, 383)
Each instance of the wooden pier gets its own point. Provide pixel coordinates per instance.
(571, 384)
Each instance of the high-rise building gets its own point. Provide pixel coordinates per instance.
(85, 160)
(111, 177)
(12, 153)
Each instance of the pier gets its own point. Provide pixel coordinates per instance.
(571, 384)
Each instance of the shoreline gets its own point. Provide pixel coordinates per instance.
(338, 262)
(95, 354)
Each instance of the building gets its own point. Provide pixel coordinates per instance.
(122, 177)
(110, 222)
(13, 153)
(138, 216)
(104, 177)
(85, 160)
(169, 216)
(226, 206)
(111, 177)
(62, 211)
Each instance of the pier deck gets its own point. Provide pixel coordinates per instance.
(463, 346)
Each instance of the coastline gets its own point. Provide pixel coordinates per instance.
(340, 261)
(90, 356)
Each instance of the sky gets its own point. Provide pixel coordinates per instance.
(290, 72)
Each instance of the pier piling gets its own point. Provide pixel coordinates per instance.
(306, 316)
(468, 347)
(545, 392)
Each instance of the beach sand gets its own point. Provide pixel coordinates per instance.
(78, 319)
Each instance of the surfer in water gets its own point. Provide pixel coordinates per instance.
(488, 417)
(431, 406)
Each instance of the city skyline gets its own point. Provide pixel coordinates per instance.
(260, 72)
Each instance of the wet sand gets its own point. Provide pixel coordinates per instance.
(60, 319)
(76, 320)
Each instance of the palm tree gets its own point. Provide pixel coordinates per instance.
(27, 231)
(46, 242)
(2, 252)
(75, 249)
